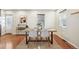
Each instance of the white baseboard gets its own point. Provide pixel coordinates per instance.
(72, 44)
(67, 41)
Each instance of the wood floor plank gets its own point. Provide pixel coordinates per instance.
(16, 39)
(13, 39)
(64, 44)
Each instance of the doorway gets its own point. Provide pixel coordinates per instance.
(9, 24)
(0, 27)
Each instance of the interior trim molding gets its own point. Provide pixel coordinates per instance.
(75, 13)
(19, 34)
(63, 11)
(68, 42)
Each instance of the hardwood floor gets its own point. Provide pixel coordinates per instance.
(64, 44)
(13, 40)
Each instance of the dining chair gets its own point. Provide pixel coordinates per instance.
(32, 34)
(45, 34)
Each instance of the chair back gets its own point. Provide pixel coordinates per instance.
(44, 33)
(32, 33)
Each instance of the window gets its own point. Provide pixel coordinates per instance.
(41, 20)
(63, 21)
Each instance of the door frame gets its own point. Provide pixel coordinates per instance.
(5, 24)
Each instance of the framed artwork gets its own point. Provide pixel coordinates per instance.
(23, 19)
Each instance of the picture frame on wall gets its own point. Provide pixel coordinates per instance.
(23, 19)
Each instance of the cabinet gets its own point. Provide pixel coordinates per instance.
(20, 29)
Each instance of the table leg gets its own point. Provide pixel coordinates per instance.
(26, 38)
(51, 37)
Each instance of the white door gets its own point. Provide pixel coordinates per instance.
(9, 24)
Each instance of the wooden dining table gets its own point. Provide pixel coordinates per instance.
(51, 31)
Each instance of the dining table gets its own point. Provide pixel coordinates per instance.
(51, 31)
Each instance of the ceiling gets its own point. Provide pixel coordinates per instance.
(29, 9)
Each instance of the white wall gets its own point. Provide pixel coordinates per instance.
(71, 32)
(32, 18)
(50, 20)
(73, 28)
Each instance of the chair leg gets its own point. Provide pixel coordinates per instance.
(51, 42)
(26, 42)
(49, 38)
(29, 38)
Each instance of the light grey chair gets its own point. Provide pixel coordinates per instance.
(45, 34)
(32, 35)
